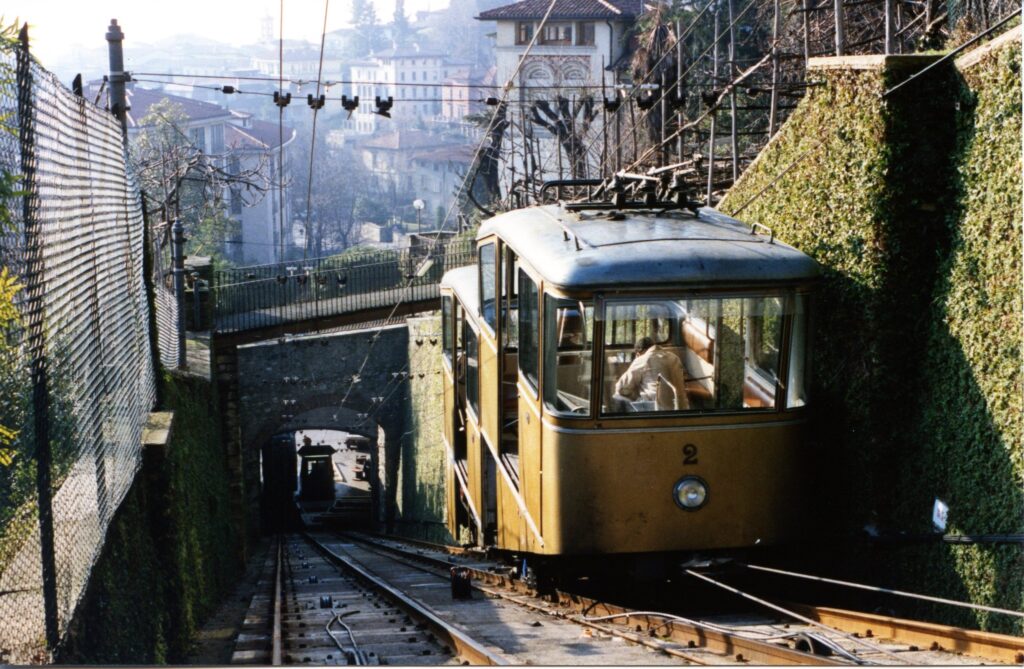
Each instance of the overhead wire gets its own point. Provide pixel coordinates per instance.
(280, 133)
(316, 104)
(467, 180)
(646, 113)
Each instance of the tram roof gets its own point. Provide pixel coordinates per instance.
(463, 280)
(588, 249)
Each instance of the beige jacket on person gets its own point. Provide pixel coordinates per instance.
(641, 379)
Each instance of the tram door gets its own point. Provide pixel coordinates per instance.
(490, 496)
(508, 399)
(455, 418)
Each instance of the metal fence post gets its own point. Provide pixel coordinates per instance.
(118, 77)
(840, 29)
(35, 314)
(178, 257)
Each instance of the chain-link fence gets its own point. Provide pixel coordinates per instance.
(77, 380)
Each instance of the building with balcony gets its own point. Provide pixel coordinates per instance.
(580, 43)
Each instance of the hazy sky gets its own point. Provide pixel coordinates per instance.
(58, 27)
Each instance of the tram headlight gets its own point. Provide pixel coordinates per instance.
(691, 493)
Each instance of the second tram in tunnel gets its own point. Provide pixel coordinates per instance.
(567, 438)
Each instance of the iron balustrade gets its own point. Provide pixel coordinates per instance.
(261, 296)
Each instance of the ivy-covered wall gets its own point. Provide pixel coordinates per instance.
(912, 204)
(170, 554)
(422, 470)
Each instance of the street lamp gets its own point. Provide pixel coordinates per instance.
(418, 205)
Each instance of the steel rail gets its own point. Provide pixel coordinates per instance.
(986, 645)
(275, 649)
(887, 591)
(465, 646)
(775, 607)
(694, 636)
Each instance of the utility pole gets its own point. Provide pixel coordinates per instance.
(732, 95)
(714, 113)
(118, 77)
(772, 116)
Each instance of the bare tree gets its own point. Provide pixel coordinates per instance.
(182, 182)
(569, 120)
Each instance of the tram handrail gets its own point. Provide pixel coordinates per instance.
(252, 297)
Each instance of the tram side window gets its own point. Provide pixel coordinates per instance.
(529, 329)
(447, 340)
(487, 268)
(472, 344)
(510, 300)
(568, 354)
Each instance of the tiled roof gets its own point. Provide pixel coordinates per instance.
(260, 135)
(565, 9)
(407, 52)
(141, 99)
(461, 153)
(404, 140)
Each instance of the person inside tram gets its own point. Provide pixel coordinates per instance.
(655, 376)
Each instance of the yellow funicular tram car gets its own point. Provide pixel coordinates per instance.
(561, 442)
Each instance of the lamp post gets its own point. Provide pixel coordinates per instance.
(418, 205)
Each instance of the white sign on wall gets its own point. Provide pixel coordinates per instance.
(940, 514)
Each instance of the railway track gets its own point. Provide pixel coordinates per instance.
(807, 635)
(342, 602)
(357, 599)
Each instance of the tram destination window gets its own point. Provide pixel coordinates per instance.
(568, 355)
(701, 354)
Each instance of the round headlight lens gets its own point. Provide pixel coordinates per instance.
(691, 493)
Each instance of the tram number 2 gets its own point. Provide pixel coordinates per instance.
(689, 454)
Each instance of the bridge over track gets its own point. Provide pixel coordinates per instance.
(258, 302)
(266, 302)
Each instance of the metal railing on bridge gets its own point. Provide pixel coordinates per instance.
(265, 296)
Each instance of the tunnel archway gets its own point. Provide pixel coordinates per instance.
(302, 382)
(361, 477)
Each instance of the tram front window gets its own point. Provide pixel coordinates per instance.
(695, 354)
(568, 354)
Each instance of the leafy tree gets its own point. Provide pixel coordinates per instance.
(367, 25)
(400, 31)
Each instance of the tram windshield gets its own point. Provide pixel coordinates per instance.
(695, 354)
(702, 354)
